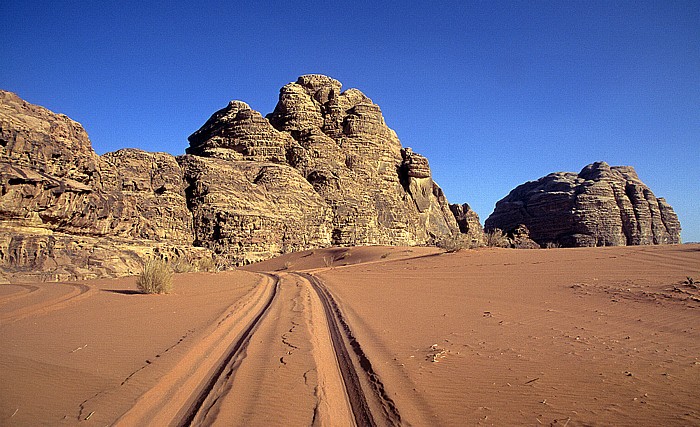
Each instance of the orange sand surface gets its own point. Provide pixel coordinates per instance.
(367, 336)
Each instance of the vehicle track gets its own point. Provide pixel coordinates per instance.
(207, 398)
(342, 336)
(181, 395)
(77, 292)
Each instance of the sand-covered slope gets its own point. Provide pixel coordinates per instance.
(367, 336)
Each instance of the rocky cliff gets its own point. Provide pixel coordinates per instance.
(322, 169)
(599, 206)
(67, 213)
(322, 149)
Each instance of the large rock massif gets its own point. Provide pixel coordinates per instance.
(322, 169)
(600, 206)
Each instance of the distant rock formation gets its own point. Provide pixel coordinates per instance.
(469, 224)
(67, 213)
(600, 206)
(322, 169)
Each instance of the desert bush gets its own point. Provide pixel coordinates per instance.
(496, 239)
(156, 277)
(552, 245)
(327, 261)
(207, 264)
(181, 264)
(453, 243)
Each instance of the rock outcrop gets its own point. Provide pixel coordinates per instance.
(600, 206)
(332, 152)
(322, 169)
(67, 213)
(469, 224)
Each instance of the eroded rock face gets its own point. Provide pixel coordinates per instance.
(376, 192)
(67, 213)
(322, 169)
(251, 211)
(468, 222)
(600, 206)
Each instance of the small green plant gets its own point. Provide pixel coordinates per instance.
(156, 277)
(496, 238)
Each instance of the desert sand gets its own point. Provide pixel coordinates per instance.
(366, 336)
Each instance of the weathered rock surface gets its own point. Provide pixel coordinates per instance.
(469, 224)
(600, 206)
(249, 211)
(373, 190)
(322, 169)
(67, 213)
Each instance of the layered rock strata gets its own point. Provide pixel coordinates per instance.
(67, 213)
(600, 206)
(322, 169)
(373, 190)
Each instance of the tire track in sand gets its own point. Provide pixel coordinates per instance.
(342, 337)
(182, 393)
(289, 368)
(208, 396)
(77, 292)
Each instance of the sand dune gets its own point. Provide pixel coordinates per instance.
(366, 336)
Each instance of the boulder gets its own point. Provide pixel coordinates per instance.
(600, 206)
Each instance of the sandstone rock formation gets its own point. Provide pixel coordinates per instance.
(67, 213)
(469, 224)
(334, 154)
(322, 169)
(600, 206)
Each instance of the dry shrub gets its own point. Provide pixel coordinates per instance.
(496, 238)
(552, 245)
(181, 264)
(207, 264)
(453, 243)
(156, 277)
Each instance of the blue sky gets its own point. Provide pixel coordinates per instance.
(493, 93)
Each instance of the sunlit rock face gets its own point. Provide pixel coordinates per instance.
(374, 191)
(600, 206)
(322, 169)
(67, 213)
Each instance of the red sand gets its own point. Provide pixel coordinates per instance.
(591, 336)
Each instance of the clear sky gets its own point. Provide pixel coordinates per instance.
(493, 93)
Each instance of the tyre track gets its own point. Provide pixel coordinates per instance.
(78, 291)
(208, 396)
(25, 291)
(340, 332)
(182, 393)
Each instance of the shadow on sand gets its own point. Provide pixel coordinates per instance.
(123, 291)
